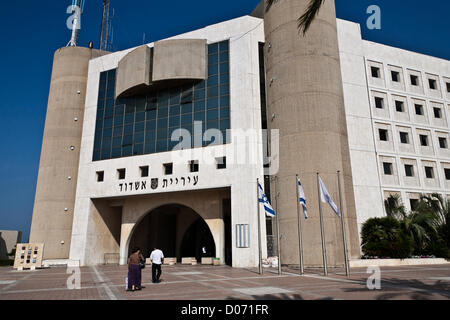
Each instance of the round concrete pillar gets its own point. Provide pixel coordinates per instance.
(55, 193)
(305, 95)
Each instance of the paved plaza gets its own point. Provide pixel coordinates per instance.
(181, 282)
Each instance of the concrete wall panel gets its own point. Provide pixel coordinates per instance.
(180, 59)
(133, 71)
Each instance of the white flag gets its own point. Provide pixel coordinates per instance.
(302, 198)
(325, 197)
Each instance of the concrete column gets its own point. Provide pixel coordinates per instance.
(305, 95)
(125, 236)
(217, 227)
(58, 168)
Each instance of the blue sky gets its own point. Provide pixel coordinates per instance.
(29, 34)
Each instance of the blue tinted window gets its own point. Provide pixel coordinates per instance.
(174, 121)
(224, 45)
(140, 116)
(138, 149)
(139, 127)
(199, 106)
(144, 124)
(212, 114)
(213, 81)
(213, 48)
(163, 112)
(128, 129)
(213, 103)
(213, 59)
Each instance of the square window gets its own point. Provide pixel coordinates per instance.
(121, 173)
(144, 171)
(399, 106)
(375, 72)
(448, 86)
(437, 113)
(447, 174)
(221, 163)
(168, 169)
(409, 170)
(413, 203)
(443, 143)
(193, 166)
(395, 76)
(387, 167)
(429, 172)
(404, 137)
(383, 134)
(419, 109)
(423, 140)
(379, 102)
(433, 84)
(100, 176)
(414, 80)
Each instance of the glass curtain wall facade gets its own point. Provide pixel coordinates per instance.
(144, 124)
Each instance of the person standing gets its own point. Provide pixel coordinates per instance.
(157, 258)
(134, 270)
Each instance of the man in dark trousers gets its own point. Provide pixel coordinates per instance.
(157, 259)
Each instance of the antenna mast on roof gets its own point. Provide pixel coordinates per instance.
(77, 9)
(104, 33)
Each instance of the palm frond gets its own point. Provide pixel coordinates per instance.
(269, 4)
(304, 22)
(395, 208)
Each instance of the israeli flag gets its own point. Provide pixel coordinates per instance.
(267, 207)
(325, 197)
(302, 198)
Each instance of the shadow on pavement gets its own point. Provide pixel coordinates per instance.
(413, 289)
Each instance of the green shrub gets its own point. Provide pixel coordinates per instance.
(438, 248)
(383, 237)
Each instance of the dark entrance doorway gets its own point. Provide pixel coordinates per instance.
(175, 229)
(198, 241)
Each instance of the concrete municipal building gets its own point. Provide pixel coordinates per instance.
(113, 176)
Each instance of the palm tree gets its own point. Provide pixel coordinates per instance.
(439, 209)
(394, 207)
(417, 224)
(304, 21)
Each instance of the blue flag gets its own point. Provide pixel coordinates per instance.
(263, 199)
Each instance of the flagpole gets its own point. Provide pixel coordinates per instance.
(259, 229)
(300, 242)
(278, 227)
(324, 249)
(344, 235)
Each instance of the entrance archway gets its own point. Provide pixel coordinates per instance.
(198, 241)
(177, 230)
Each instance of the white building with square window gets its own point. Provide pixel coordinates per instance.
(397, 104)
(129, 187)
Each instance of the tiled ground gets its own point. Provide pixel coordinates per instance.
(222, 283)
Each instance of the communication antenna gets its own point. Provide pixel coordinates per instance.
(111, 28)
(77, 9)
(106, 26)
